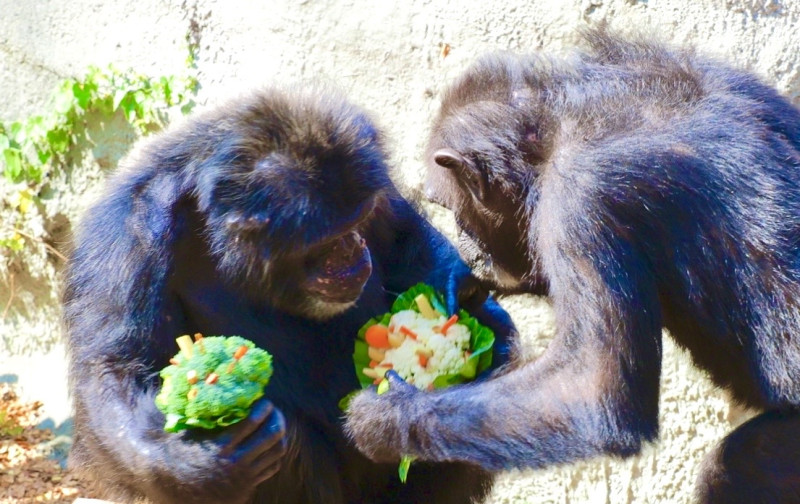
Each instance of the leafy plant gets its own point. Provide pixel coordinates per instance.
(34, 148)
(9, 428)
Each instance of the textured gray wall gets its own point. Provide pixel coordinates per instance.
(388, 56)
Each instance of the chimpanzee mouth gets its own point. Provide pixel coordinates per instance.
(483, 265)
(342, 273)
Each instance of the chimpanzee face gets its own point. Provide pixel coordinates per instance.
(493, 226)
(317, 280)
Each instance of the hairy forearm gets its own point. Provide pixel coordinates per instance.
(529, 417)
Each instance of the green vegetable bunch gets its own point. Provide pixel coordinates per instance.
(212, 382)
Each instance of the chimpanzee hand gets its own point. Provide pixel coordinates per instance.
(246, 453)
(254, 447)
(377, 423)
(459, 287)
(462, 290)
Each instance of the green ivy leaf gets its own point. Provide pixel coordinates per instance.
(64, 98)
(16, 132)
(34, 128)
(166, 89)
(59, 140)
(119, 97)
(13, 160)
(83, 92)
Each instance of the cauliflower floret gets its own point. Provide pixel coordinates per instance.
(425, 353)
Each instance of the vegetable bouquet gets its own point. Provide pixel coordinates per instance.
(423, 345)
(212, 382)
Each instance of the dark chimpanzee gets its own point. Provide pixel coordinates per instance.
(273, 218)
(641, 187)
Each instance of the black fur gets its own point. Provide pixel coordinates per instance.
(209, 229)
(641, 187)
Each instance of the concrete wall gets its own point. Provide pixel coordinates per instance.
(388, 56)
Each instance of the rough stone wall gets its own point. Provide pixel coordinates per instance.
(389, 57)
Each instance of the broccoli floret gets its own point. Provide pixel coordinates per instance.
(212, 382)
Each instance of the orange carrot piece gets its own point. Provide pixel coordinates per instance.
(450, 323)
(191, 376)
(377, 336)
(373, 363)
(240, 352)
(377, 381)
(212, 378)
(408, 332)
(198, 336)
(423, 360)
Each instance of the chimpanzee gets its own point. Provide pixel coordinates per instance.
(273, 218)
(639, 186)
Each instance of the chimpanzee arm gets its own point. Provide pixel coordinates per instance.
(595, 390)
(128, 437)
(121, 320)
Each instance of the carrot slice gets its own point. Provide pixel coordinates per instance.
(377, 336)
(447, 325)
(408, 332)
(240, 352)
(423, 360)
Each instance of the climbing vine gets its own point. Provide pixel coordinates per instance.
(36, 148)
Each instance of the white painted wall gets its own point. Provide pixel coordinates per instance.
(388, 57)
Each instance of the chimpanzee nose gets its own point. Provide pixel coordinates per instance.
(351, 245)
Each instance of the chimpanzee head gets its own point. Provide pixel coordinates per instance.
(289, 188)
(484, 158)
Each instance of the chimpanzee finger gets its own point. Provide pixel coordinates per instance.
(267, 472)
(234, 435)
(471, 294)
(462, 287)
(268, 442)
(397, 384)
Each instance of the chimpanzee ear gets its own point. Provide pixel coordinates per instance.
(463, 169)
(449, 158)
